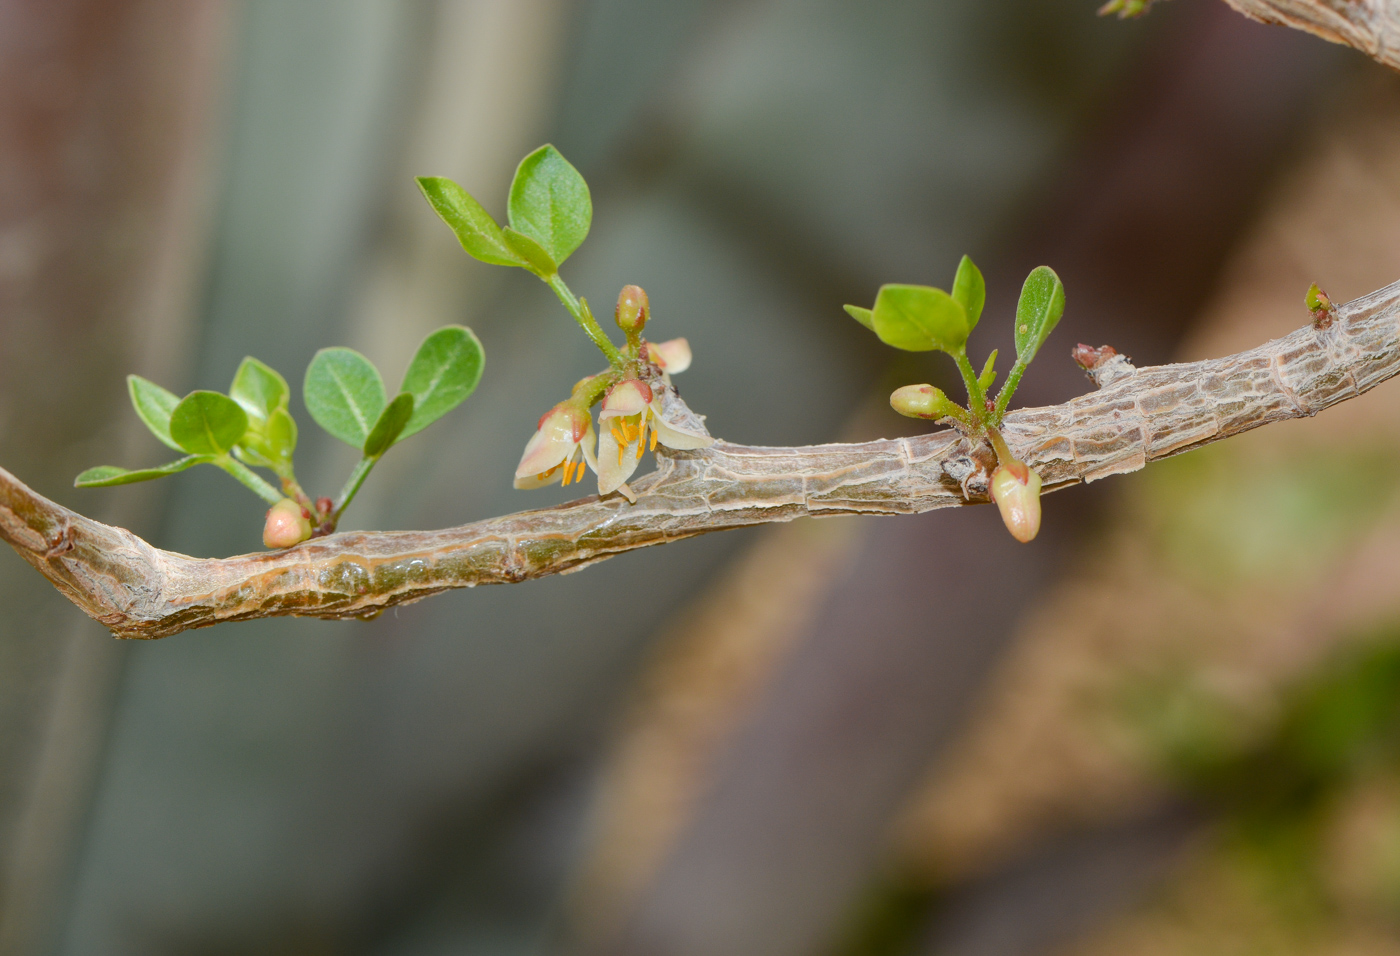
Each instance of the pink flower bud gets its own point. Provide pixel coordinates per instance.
(287, 524)
(633, 309)
(1016, 490)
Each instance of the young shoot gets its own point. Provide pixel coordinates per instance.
(549, 212)
(919, 318)
(251, 426)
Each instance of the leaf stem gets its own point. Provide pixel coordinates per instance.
(1008, 388)
(584, 317)
(1004, 456)
(249, 478)
(976, 399)
(352, 487)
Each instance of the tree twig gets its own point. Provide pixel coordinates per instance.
(140, 591)
(1371, 26)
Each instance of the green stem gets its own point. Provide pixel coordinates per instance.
(1004, 455)
(1008, 388)
(249, 479)
(585, 319)
(592, 388)
(352, 486)
(976, 399)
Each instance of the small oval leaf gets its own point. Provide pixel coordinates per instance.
(444, 371)
(344, 394)
(536, 259)
(105, 476)
(549, 202)
(473, 225)
(207, 423)
(154, 405)
(918, 318)
(970, 291)
(864, 316)
(259, 388)
(1042, 303)
(391, 422)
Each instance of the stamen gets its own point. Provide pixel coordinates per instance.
(653, 439)
(642, 440)
(568, 470)
(620, 449)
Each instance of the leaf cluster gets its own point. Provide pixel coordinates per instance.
(251, 426)
(549, 212)
(919, 318)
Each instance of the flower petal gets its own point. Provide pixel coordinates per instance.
(529, 482)
(624, 399)
(615, 464)
(672, 356)
(676, 425)
(558, 435)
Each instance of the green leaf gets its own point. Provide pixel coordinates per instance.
(272, 445)
(443, 373)
(549, 202)
(1042, 303)
(918, 318)
(989, 372)
(970, 291)
(534, 256)
(259, 388)
(154, 404)
(864, 316)
(344, 394)
(105, 476)
(473, 225)
(207, 423)
(391, 422)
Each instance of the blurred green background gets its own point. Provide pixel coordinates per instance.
(863, 736)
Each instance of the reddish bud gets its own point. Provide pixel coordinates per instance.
(1089, 358)
(287, 524)
(633, 309)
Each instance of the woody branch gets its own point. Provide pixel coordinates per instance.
(1137, 416)
(1371, 26)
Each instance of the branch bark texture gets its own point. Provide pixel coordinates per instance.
(140, 591)
(1371, 26)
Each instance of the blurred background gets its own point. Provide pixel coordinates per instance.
(1170, 726)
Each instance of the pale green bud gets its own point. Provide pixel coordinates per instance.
(1016, 490)
(923, 401)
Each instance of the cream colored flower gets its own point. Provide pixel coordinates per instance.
(557, 450)
(637, 415)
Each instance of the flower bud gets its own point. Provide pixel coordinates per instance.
(287, 524)
(633, 309)
(1016, 490)
(922, 401)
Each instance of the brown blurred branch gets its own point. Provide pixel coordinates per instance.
(1371, 26)
(138, 590)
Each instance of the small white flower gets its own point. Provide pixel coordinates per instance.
(636, 415)
(557, 450)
